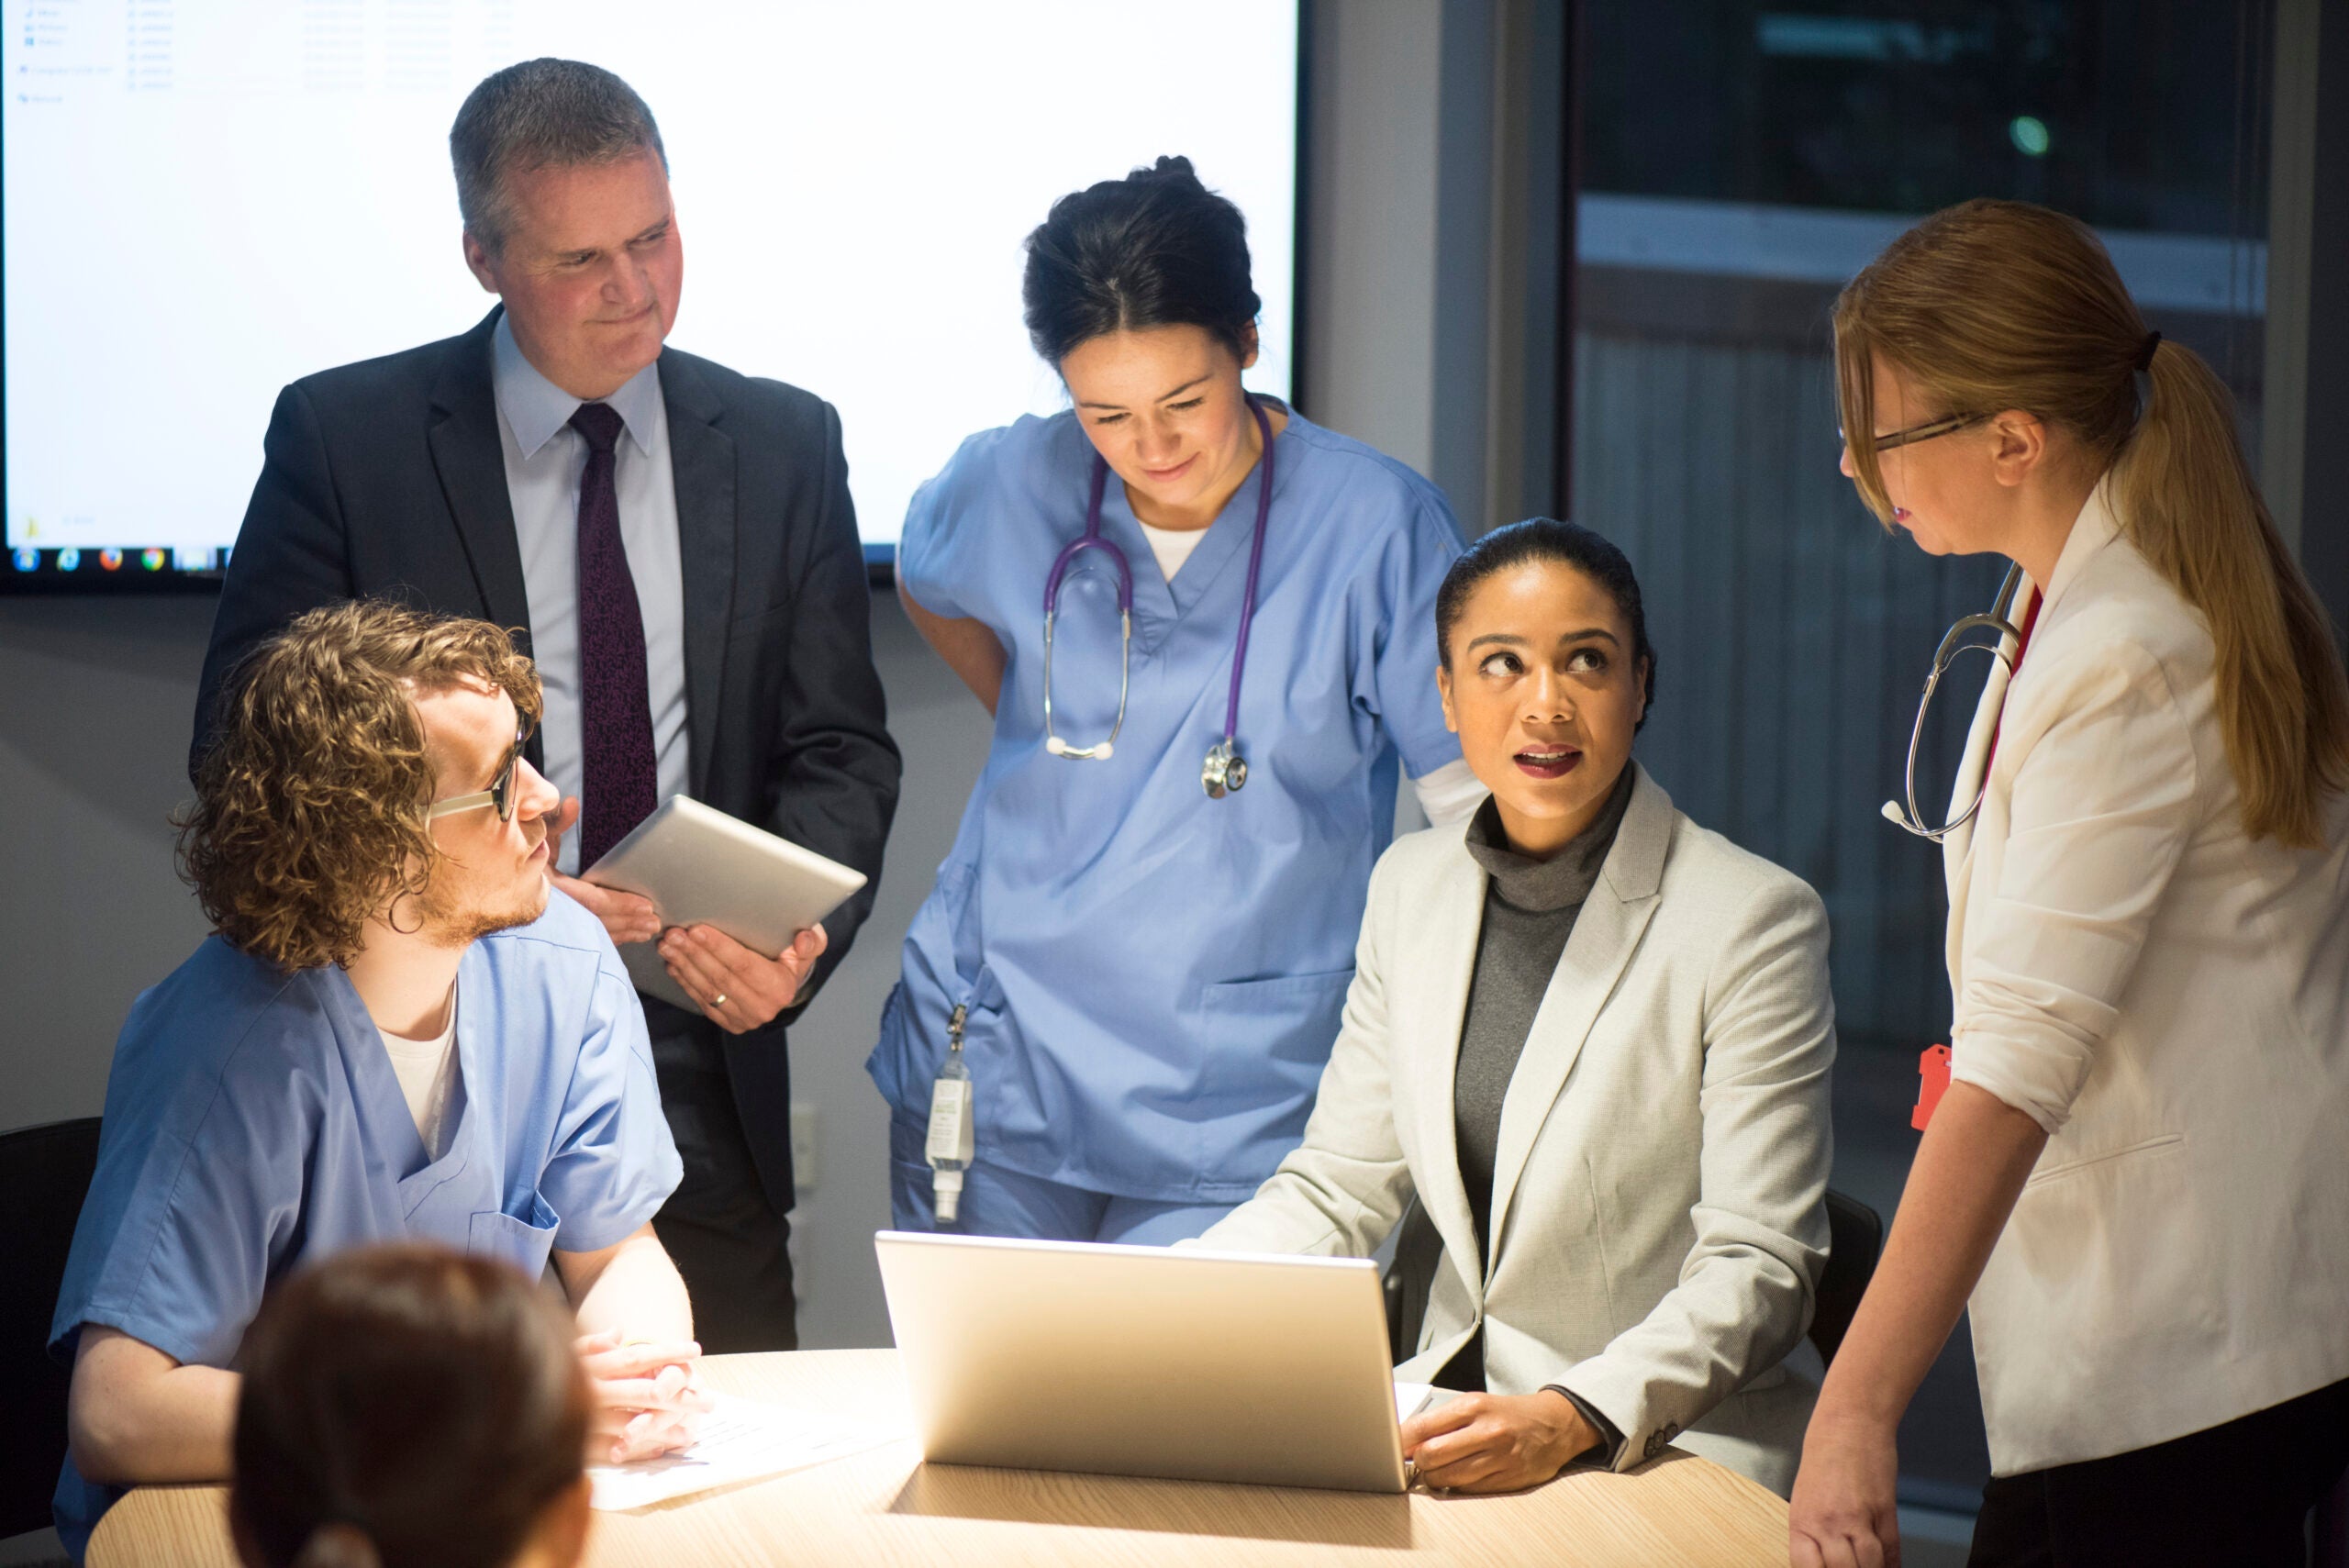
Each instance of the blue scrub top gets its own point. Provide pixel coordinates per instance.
(1154, 978)
(253, 1123)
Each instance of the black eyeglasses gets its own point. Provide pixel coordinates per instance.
(1946, 425)
(500, 793)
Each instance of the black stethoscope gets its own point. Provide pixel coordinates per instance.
(1225, 769)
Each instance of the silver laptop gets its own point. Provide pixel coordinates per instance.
(1142, 1360)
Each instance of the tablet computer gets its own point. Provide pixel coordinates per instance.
(701, 867)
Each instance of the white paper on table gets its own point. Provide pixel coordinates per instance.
(742, 1440)
(1410, 1399)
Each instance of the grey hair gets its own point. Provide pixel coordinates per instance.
(541, 113)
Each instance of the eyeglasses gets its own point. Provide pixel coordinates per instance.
(499, 793)
(1948, 424)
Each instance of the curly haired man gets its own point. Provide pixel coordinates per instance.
(396, 1030)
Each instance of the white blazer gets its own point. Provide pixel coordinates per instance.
(1664, 1144)
(2170, 1000)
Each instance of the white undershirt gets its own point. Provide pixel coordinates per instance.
(1172, 546)
(427, 1069)
(1451, 794)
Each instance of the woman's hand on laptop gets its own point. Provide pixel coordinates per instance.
(1496, 1442)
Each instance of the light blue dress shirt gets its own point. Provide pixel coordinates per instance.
(253, 1122)
(544, 460)
(1153, 978)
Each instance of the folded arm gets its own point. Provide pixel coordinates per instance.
(969, 646)
(637, 1342)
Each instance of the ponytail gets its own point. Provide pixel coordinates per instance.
(1992, 306)
(1155, 249)
(2196, 514)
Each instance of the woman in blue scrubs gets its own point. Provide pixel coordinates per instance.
(1144, 950)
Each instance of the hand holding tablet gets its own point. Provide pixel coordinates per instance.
(758, 893)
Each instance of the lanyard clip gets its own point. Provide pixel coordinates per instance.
(949, 1143)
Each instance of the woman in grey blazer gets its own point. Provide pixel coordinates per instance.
(1594, 1038)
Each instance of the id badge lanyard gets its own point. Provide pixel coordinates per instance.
(951, 1139)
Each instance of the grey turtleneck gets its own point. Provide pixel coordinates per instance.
(1530, 911)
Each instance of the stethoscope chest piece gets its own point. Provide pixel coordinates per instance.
(1225, 770)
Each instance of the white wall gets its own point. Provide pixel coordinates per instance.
(96, 701)
(1369, 307)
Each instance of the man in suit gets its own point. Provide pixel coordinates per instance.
(675, 542)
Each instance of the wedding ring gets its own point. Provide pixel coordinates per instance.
(718, 1000)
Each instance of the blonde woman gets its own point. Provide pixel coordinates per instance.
(2138, 1178)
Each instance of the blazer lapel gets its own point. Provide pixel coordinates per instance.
(701, 460)
(1449, 920)
(471, 462)
(1606, 934)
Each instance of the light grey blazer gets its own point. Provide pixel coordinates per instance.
(1663, 1146)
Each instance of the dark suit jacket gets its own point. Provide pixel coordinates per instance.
(386, 479)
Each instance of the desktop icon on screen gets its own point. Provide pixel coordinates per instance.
(110, 558)
(154, 560)
(68, 559)
(27, 559)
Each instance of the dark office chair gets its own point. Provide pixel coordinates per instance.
(1855, 1237)
(1855, 1240)
(44, 1175)
(2330, 1526)
(1409, 1277)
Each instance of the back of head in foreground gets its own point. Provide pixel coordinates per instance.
(405, 1407)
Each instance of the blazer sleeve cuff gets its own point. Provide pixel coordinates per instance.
(2037, 1077)
(1609, 1450)
(1626, 1399)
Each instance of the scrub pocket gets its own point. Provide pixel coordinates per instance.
(524, 1243)
(1265, 1043)
(1291, 1019)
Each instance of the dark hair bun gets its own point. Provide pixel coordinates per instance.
(1176, 168)
(1155, 249)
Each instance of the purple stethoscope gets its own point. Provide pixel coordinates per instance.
(1225, 770)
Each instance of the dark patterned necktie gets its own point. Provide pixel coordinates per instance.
(620, 778)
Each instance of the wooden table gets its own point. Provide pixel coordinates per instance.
(885, 1506)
